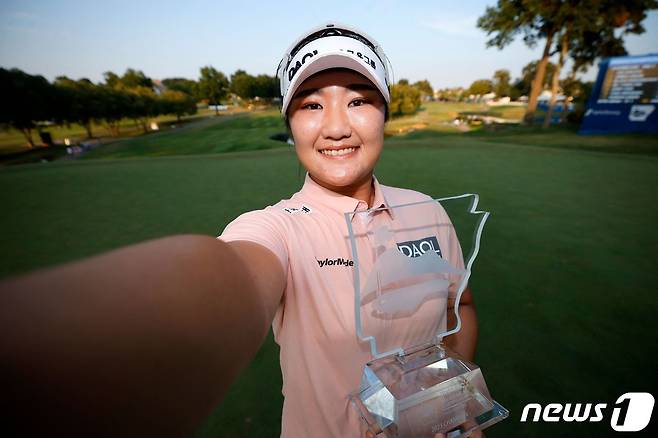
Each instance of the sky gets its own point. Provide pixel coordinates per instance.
(433, 40)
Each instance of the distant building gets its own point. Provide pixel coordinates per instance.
(487, 97)
(546, 95)
(158, 87)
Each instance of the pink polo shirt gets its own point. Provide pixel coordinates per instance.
(321, 357)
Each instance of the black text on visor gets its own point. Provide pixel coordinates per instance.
(328, 32)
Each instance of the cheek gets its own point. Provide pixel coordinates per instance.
(304, 128)
(370, 127)
(371, 117)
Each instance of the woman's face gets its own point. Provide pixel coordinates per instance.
(337, 121)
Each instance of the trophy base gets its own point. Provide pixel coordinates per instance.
(425, 392)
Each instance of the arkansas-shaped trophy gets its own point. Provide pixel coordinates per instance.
(411, 266)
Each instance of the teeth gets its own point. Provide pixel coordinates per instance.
(334, 152)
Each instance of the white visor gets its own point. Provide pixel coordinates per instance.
(332, 52)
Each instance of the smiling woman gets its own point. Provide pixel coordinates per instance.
(337, 120)
(147, 339)
(335, 96)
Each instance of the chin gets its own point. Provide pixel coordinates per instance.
(340, 177)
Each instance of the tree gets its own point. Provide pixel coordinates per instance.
(405, 99)
(213, 85)
(135, 94)
(425, 89)
(480, 87)
(178, 103)
(187, 86)
(144, 105)
(535, 19)
(242, 84)
(136, 78)
(573, 21)
(115, 106)
(26, 100)
(248, 87)
(528, 73)
(563, 42)
(111, 79)
(584, 50)
(266, 86)
(82, 102)
(501, 84)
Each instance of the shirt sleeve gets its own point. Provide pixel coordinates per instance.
(262, 227)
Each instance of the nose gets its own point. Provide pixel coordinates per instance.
(336, 123)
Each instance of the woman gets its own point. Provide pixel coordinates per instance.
(147, 339)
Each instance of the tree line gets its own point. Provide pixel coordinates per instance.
(502, 85)
(29, 100)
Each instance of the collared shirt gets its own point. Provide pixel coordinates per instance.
(321, 357)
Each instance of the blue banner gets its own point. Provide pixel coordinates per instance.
(625, 96)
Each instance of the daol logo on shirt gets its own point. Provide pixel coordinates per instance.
(416, 248)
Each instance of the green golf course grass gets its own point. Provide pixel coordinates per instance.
(564, 284)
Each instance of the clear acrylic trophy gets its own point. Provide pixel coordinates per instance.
(410, 270)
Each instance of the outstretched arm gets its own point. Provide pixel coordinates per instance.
(144, 340)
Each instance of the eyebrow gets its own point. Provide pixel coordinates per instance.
(353, 87)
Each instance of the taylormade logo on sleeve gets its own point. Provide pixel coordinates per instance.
(335, 262)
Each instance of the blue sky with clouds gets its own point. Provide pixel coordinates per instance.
(434, 40)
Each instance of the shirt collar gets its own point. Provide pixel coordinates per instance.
(341, 203)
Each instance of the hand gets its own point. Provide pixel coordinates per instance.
(372, 435)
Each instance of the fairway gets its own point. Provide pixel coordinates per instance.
(564, 284)
(241, 132)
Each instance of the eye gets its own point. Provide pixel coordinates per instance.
(358, 102)
(311, 106)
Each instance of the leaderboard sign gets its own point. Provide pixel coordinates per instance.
(625, 96)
